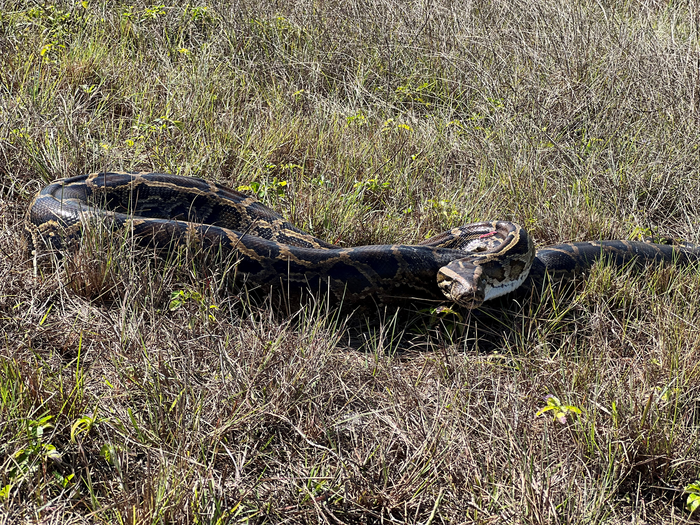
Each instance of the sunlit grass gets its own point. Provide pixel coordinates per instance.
(137, 388)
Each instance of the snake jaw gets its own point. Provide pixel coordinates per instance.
(464, 287)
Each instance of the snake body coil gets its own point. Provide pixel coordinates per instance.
(467, 265)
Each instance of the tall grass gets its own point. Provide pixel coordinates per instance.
(141, 390)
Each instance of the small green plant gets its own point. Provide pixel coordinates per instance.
(424, 94)
(443, 311)
(82, 425)
(109, 452)
(693, 501)
(372, 185)
(181, 297)
(263, 190)
(165, 123)
(128, 13)
(450, 320)
(37, 451)
(370, 190)
(64, 481)
(153, 12)
(49, 52)
(445, 209)
(561, 412)
(667, 393)
(391, 126)
(199, 14)
(149, 13)
(359, 119)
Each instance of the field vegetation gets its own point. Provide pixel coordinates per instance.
(136, 389)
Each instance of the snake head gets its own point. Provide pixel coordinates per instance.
(461, 282)
(491, 271)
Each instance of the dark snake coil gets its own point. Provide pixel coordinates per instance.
(466, 265)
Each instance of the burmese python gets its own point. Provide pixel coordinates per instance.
(466, 265)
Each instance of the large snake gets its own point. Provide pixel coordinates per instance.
(466, 265)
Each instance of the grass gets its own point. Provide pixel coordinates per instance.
(140, 390)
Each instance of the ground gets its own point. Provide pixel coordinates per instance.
(135, 389)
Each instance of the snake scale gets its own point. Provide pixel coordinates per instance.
(465, 265)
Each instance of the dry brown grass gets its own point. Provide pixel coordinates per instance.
(140, 390)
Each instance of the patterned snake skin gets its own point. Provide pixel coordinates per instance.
(466, 265)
